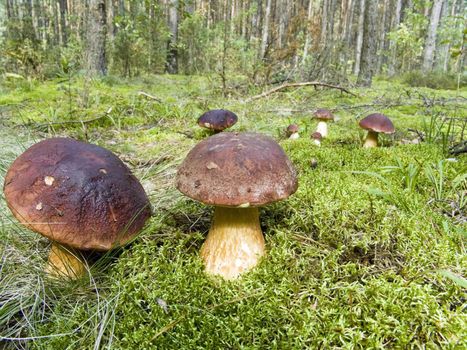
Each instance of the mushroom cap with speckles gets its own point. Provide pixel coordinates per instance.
(378, 123)
(237, 170)
(324, 114)
(217, 119)
(77, 194)
(316, 136)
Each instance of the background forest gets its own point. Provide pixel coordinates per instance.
(267, 41)
(368, 253)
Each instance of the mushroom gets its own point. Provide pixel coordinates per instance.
(375, 123)
(324, 116)
(292, 131)
(78, 195)
(217, 120)
(237, 173)
(316, 136)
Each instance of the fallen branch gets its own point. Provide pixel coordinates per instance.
(151, 97)
(290, 85)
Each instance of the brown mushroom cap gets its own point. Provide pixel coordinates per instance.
(316, 136)
(292, 128)
(237, 169)
(76, 193)
(217, 119)
(324, 114)
(378, 123)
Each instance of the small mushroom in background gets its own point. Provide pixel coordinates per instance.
(324, 116)
(78, 195)
(217, 120)
(376, 123)
(237, 173)
(313, 163)
(292, 132)
(316, 136)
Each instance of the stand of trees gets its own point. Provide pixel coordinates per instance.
(269, 41)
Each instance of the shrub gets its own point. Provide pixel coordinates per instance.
(434, 80)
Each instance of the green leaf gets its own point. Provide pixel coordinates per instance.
(459, 280)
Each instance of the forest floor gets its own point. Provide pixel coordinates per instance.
(368, 253)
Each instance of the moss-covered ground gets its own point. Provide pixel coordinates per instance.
(369, 253)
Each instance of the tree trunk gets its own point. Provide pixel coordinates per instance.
(392, 47)
(172, 54)
(445, 50)
(430, 42)
(384, 28)
(368, 58)
(306, 47)
(63, 27)
(265, 34)
(96, 37)
(359, 44)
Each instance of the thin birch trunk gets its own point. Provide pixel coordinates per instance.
(430, 41)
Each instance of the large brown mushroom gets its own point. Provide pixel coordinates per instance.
(79, 195)
(237, 173)
(324, 116)
(217, 120)
(376, 123)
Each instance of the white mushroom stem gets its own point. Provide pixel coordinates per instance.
(317, 142)
(64, 262)
(235, 242)
(322, 128)
(294, 136)
(371, 140)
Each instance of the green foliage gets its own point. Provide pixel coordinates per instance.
(433, 80)
(135, 48)
(408, 39)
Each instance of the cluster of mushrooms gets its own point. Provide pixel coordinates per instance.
(82, 197)
(375, 124)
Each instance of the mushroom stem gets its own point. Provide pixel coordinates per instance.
(235, 242)
(322, 128)
(371, 139)
(317, 142)
(64, 263)
(294, 136)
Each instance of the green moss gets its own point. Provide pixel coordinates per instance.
(352, 256)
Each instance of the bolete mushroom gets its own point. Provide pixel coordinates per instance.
(217, 120)
(78, 195)
(316, 136)
(375, 123)
(324, 116)
(292, 132)
(237, 173)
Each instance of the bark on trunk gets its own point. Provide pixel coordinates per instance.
(358, 46)
(63, 27)
(392, 47)
(306, 47)
(430, 42)
(96, 37)
(265, 34)
(172, 54)
(368, 59)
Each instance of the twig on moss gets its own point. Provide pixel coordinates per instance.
(151, 97)
(291, 85)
